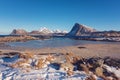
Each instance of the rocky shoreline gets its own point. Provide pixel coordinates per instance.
(17, 38)
(107, 39)
(83, 32)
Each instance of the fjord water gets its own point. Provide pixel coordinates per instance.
(55, 42)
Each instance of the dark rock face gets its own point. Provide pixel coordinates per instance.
(115, 62)
(80, 30)
(18, 32)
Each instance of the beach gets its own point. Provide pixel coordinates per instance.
(86, 50)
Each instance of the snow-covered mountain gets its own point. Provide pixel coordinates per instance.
(45, 30)
(41, 31)
(59, 31)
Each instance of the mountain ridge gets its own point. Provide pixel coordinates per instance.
(82, 30)
(77, 30)
(41, 31)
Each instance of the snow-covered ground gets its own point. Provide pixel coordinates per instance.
(47, 73)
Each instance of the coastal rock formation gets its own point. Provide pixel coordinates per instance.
(80, 30)
(17, 38)
(106, 34)
(85, 33)
(18, 32)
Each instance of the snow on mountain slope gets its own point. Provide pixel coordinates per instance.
(45, 30)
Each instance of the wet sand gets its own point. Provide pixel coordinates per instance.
(87, 50)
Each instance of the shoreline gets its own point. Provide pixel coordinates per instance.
(84, 50)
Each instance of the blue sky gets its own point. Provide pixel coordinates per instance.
(59, 14)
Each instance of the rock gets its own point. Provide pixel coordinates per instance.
(93, 62)
(112, 71)
(82, 47)
(114, 62)
(85, 68)
(10, 54)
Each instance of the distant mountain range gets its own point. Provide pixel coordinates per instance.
(42, 31)
(77, 30)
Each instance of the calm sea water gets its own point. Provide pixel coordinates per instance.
(55, 42)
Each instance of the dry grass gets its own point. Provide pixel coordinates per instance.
(99, 71)
(85, 68)
(26, 55)
(68, 59)
(67, 65)
(44, 61)
(70, 72)
(89, 65)
(50, 58)
(21, 64)
(25, 60)
(100, 62)
(91, 77)
(40, 64)
(15, 38)
(29, 54)
(72, 58)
